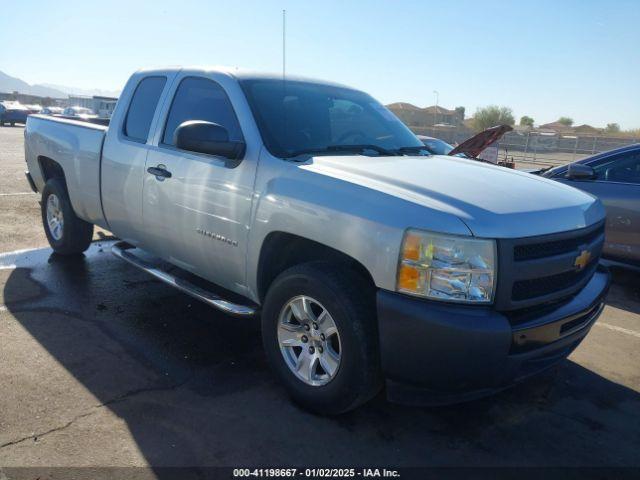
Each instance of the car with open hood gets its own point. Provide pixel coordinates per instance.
(470, 148)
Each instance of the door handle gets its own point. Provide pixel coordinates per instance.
(160, 172)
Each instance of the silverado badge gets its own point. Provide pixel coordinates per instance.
(583, 259)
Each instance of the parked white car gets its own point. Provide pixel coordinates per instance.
(80, 112)
(52, 111)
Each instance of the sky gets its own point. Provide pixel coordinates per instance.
(541, 58)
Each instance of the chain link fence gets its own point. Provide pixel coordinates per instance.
(534, 148)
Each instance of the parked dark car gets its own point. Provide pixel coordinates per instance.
(12, 114)
(614, 177)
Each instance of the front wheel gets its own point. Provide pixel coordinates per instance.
(67, 234)
(320, 337)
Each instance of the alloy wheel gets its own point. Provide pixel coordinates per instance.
(309, 341)
(55, 219)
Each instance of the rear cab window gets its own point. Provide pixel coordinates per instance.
(142, 108)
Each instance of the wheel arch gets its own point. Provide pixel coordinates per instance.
(282, 250)
(78, 194)
(49, 168)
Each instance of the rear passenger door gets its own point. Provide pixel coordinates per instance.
(125, 153)
(199, 216)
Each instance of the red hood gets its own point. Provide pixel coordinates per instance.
(476, 144)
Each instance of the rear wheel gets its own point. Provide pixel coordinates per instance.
(67, 234)
(319, 334)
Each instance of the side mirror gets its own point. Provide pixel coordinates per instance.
(207, 137)
(580, 171)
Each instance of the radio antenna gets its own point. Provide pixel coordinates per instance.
(284, 71)
(284, 43)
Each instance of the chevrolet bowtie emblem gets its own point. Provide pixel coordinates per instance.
(582, 260)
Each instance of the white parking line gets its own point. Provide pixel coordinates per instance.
(8, 259)
(16, 193)
(18, 252)
(633, 333)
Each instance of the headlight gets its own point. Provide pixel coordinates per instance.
(447, 267)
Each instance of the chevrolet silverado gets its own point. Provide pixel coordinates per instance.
(309, 205)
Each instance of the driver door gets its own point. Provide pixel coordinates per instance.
(199, 215)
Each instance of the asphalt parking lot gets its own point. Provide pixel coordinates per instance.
(102, 366)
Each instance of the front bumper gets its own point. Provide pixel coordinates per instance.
(436, 353)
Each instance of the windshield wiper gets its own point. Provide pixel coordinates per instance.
(403, 150)
(343, 148)
(360, 148)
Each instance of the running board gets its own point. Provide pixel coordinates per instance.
(121, 250)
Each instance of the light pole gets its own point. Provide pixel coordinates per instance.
(435, 113)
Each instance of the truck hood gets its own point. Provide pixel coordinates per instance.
(493, 202)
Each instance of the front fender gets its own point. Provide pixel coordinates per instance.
(363, 223)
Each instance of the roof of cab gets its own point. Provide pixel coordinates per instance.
(238, 73)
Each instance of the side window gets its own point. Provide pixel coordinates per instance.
(201, 99)
(142, 107)
(622, 168)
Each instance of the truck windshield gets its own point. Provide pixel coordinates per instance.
(296, 118)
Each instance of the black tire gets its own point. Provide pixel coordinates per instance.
(13, 124)
(351, 303)
(76, 233)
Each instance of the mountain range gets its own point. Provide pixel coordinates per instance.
(12, 84)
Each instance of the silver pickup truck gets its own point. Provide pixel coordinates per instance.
(368, 260)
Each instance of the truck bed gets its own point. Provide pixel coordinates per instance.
(96, 121)
(75, 145)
